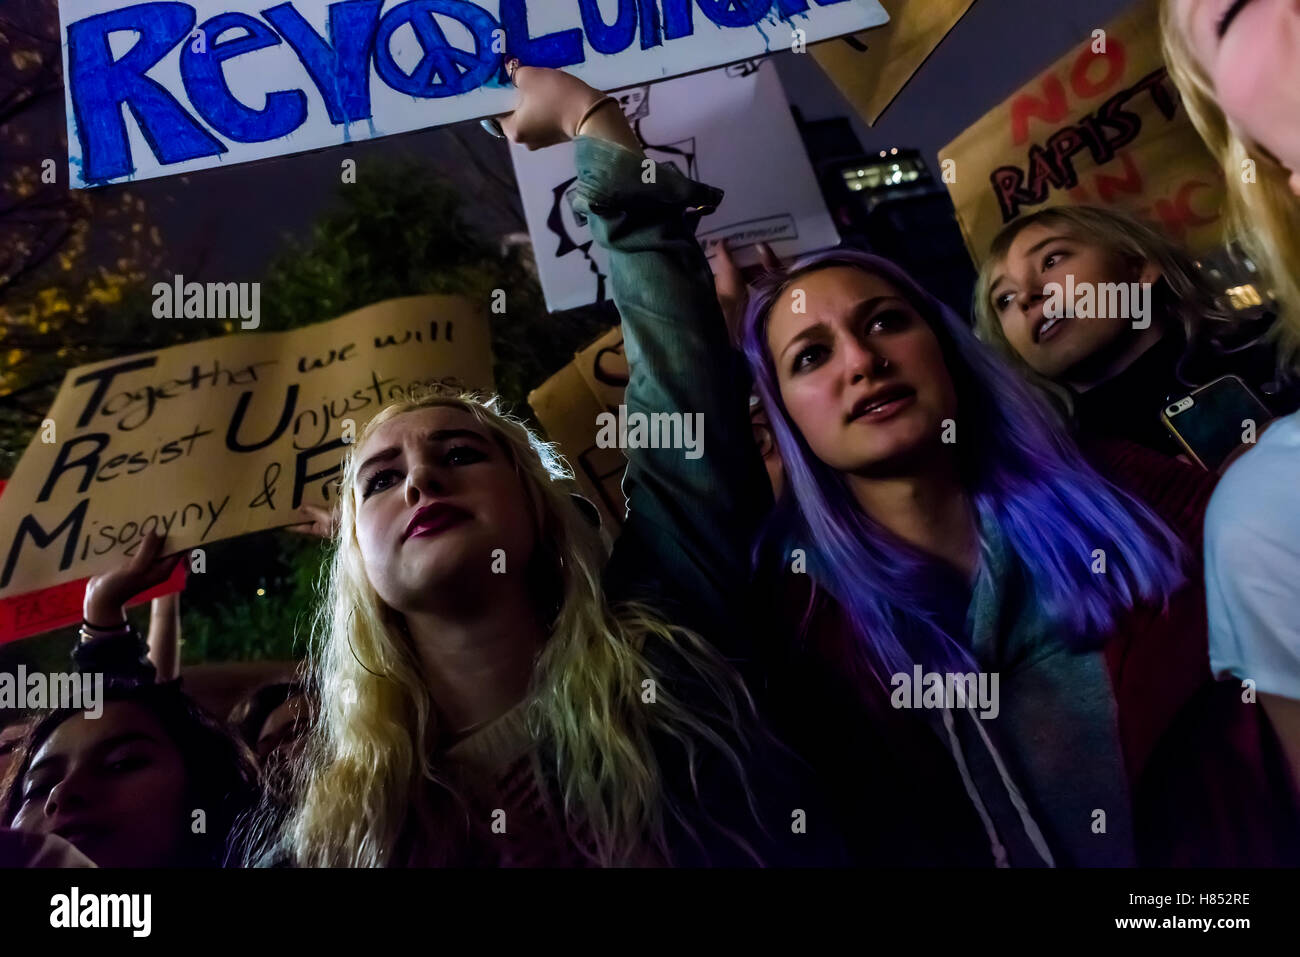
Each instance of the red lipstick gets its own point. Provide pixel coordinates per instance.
(433, 519)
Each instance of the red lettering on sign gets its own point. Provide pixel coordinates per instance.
(1177, 215)
(1130, 182)
(1114, 58)
(1051, 108)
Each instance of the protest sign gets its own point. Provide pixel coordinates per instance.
(1102, 126)
(711, 126)
(567, 405)
(24, 615)
(168, 87)
(871, 68)
(217, 438)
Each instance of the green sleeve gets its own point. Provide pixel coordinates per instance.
(691, 520)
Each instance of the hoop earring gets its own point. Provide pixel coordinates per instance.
(352, 617)
(359, 661)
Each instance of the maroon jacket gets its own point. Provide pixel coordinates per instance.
(1210, 786)
(1208, 782)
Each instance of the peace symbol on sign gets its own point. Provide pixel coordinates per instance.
(443, 70)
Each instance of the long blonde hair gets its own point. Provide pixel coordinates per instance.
(1185, 295)
(1264, 216)
(367, 790)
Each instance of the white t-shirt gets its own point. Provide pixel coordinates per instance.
(1252, 564)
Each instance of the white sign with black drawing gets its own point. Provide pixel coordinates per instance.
(731, 128)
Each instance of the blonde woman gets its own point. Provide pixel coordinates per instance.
(1237, 63)
(1114, 374)
(493, 692)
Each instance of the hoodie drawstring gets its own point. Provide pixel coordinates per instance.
(999, 852)
(1032, 830)
(1018, 802)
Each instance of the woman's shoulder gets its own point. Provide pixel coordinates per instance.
(1252, 562)
(1260, 492)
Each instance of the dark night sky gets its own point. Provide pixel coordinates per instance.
(226, 223)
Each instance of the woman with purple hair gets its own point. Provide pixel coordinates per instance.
(962, 566)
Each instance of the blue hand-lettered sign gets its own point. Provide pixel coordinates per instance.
(168, 87)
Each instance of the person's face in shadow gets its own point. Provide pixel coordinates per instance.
(11, 735)
(113, 786)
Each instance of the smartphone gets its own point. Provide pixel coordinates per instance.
(1216, 418)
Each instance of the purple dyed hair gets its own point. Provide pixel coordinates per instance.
(1024, 475)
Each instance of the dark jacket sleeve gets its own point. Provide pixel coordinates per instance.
(685, 545)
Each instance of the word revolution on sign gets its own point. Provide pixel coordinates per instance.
(421, 49)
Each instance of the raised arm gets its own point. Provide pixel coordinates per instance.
(692, 511)
(108, 643)
(165, 636)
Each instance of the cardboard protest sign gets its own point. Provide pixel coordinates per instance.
(155, 88)
(221, 437)
(1102, 126)
(567, 405)
(871, 68)
(24, 615)
(711, 126)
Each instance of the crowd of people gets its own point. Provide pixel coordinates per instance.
(888, 492)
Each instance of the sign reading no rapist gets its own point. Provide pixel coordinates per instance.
(219, 438)
(1103, 126)
(167, 87)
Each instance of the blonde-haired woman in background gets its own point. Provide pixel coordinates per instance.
(1113, 375)
(493, 690)
(1237, 63)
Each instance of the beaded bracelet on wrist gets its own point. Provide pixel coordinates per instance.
(89, 632)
